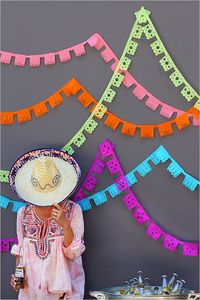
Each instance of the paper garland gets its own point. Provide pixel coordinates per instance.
(39, 109)
(158, 48)
(5, 201)
(108, 95)
(107, 157)
(147, 130)
(160, 155)
(122, 185)
(73, 87)
(142, 94)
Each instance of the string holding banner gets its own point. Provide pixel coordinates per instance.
(40, 109)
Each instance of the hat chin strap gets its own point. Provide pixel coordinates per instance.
(48, 187)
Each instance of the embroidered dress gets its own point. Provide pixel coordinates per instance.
(51, 268)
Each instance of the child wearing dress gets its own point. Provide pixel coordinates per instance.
(49, 229)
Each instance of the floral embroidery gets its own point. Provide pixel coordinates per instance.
(42, 233)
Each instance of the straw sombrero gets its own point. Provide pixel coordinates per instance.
(45, 176)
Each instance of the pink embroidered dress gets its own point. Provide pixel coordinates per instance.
(51, 268)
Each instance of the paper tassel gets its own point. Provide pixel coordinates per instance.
(90, 126)
(93, 40)
(190, 249)
(157, 47)
(128, 80)
(114, 66)
(79, 196)
(140, 92)
(132, 47)
(34, 60)
(100, 42)
(20, 60)
(113, 190)
(170, 242)
(140, 215)
(174, 169)
(125, 64)
(49, 59)
(188, 93)
(165, 129)
(4, 201)
(99, 198)
(66, 89)
(165, 63)
(166, 111)
(90, 183)
(147, 131)
(64, 55)
(130, 200)
(4, 175)
(128, 129)
(154, 158)
(99, 166)
(109, 95)
(79, 139)
(4, 246)
(197, 105)
(121, 183)
(106, 149)
(190, 182)
(195, 121)
(68, 149)
(149, 32)
(117, 79)
(24, 115)
(40, 109)
(131, 178)
(162, 154)
(17, 206)
(5, 57)
(144, 168)
(79, 50)
(6, 118)
(154, 231)
(85, 98)
(176, 78)
(152, 103)
(100, 111)
(112, 121)
(55, 100)
(85, 204)
(107, 54)
(182, 121)
(75, 87)
(113, 166)
(194, 112)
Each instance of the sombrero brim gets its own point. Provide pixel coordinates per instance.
(21, 171)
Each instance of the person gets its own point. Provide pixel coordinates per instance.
(50, 227)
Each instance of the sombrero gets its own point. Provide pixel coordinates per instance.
(44, 176)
